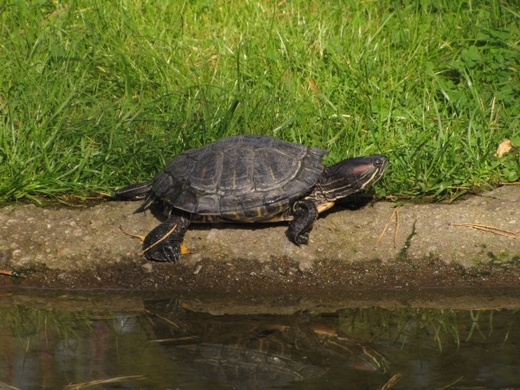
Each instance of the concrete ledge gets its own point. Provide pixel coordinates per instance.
(83, 247)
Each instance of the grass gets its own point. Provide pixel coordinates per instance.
(96, 94)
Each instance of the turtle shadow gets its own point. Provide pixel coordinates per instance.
(352, 202)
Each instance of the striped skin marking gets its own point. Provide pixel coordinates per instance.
(324, 206)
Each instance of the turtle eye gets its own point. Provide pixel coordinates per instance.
(379, 162)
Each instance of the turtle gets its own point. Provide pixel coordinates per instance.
(247, 178)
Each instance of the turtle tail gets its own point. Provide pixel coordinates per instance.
(134, 191)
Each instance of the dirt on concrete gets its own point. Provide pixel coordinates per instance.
(471, 243)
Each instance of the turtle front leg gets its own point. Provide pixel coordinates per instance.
(304, 213)
(164, 242)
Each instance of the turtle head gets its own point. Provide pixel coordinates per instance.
(351, 175)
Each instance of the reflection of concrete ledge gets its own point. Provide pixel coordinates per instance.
(83, 247)
(220, 304)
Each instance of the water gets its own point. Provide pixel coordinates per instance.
(123, 342)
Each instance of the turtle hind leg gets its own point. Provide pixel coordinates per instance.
(163, 243)
(305, 213)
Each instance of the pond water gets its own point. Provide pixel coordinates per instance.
(166, 344)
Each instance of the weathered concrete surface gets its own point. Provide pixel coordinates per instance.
(83, 247)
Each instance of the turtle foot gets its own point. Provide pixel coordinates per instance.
(164, 243)
(305, 213)
(168, 252)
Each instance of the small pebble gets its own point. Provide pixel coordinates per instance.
(304, 266)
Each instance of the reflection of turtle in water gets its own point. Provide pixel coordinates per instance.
(260, 351)
(247, 179)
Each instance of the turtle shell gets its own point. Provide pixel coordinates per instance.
(241, 178)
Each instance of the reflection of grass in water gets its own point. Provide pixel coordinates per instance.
(24, 322)
(419, 326)
(35, 329)
(476, 321)
(66, 334)
(403, 325)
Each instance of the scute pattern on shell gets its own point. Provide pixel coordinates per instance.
(247, 178)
